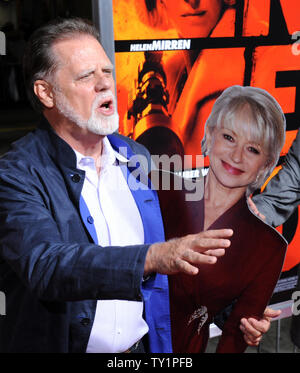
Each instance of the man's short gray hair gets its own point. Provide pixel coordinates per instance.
(39, 61)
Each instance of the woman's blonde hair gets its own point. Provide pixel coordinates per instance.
(260, 115)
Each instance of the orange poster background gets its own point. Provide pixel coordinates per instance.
(173, 91)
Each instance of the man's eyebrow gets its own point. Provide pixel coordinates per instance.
(91, 70)
(84, 72)
(108, 67)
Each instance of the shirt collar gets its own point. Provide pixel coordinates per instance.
(109, 156)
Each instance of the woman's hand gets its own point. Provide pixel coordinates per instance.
(255, 329)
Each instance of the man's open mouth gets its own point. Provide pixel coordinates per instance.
(106, 106)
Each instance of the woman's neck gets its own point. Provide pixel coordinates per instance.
(218, 199)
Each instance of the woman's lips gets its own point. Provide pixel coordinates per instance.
(196, 14)
(232, 170)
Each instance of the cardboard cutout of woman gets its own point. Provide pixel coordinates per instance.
(243, 138)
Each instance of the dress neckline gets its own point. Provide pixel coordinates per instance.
(228, 212)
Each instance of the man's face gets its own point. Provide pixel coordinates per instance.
(84, 85)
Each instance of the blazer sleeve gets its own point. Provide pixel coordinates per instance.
(32, 246)
(254, 298)
(282, 194)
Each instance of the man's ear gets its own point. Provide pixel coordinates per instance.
(44, 92)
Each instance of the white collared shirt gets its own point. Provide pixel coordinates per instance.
(118, 324)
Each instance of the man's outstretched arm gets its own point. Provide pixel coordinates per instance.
(184, 254)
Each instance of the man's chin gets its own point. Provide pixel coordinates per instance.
(105, 126)
(103, 131)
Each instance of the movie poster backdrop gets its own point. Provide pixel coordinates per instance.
(174, 58)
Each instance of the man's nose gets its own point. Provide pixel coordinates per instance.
(103, 83)
(193, 3)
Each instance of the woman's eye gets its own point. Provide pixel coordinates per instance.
(227, 137)
(253, 150)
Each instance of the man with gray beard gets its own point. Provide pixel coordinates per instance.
(97, 123)
(83, 261)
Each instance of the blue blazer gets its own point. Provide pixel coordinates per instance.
(51, 269)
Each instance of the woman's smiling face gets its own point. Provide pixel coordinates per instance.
(235, 159)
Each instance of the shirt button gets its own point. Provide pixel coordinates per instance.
(85, 321)
(90, 219)
(75, 178)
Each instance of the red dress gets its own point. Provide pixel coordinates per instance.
(247, 272)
